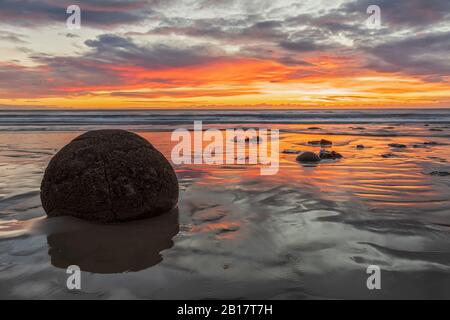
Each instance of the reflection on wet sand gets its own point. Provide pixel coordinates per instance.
(110, 248)
(306, 232)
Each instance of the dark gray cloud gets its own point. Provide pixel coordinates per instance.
(116, 49)
(236, 30)
(425, 55)
(100, 13)
(301, 46)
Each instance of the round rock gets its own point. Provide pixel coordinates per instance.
(109, 176)
(308, 157)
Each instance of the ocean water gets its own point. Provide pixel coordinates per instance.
(308, 232)
(12, 120)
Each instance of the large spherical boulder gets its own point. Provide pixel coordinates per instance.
(109, 176)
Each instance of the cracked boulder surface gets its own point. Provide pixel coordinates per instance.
(109, 176)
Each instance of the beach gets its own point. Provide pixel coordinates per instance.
(307, 232)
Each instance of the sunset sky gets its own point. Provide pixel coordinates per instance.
(224, 54)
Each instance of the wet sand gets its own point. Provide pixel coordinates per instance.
(308, 232)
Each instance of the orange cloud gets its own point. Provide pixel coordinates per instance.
(326, 81)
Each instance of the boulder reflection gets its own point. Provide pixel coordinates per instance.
(111, 248)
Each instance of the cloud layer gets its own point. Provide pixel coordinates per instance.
(225, 53)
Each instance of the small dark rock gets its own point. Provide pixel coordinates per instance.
(308, 157)
(329, 155)
(397, 145)
(360, 146)
(389, 155)
(109, 176)
(291, 151)
(435, 129)
(314, 128)
(322, 143)
(440, 173)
